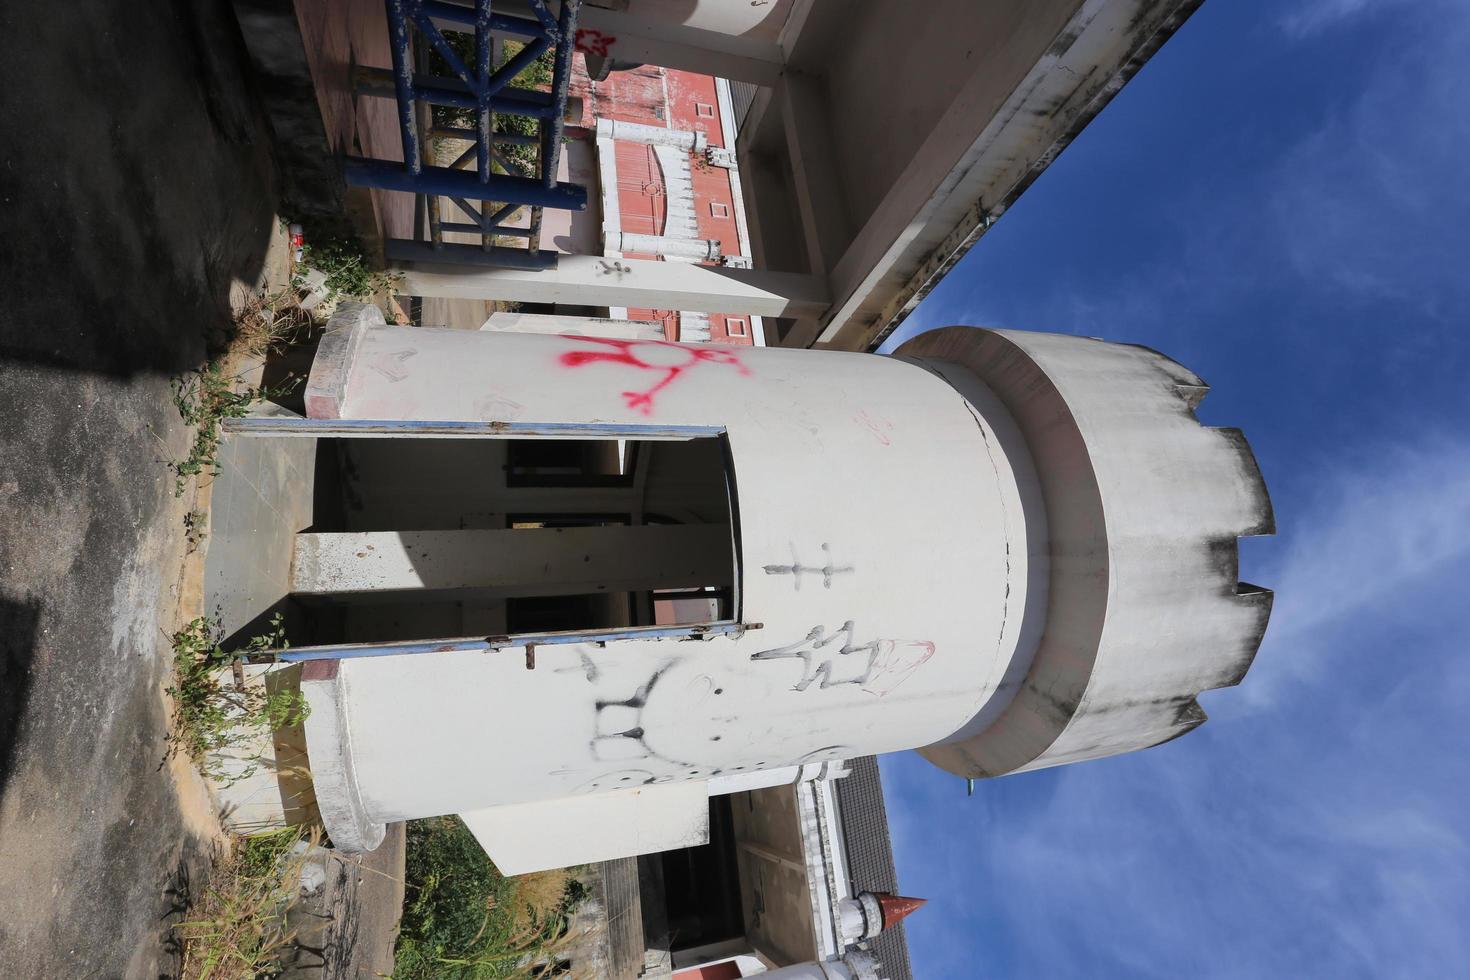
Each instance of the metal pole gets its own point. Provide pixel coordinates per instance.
(389, 175)
(403, 86)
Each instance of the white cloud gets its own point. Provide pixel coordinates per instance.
(1372, 201)
(1308, 17)
(1320, 833)
(1358, 539)
(1316, 826)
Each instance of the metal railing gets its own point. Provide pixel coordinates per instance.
(499, 183)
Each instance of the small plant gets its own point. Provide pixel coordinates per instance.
(342, 259)
(270, 323)
(209, 716)
(462, 920)
(239, 930)
(203, 402)
(194, 532)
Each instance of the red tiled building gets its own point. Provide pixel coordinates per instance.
(683, 199)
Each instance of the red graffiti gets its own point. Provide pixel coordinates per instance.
(594, 42)
(880, 427)
(650, 355)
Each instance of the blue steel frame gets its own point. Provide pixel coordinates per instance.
(489, 644)
(416, 26)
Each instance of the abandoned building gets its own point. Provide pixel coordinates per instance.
(654, 607)
(574, 587)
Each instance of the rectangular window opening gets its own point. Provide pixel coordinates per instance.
(450, 537)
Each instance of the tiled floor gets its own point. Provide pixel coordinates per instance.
(260, 499)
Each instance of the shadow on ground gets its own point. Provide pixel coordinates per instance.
(135, 184)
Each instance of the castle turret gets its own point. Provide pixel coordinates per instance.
(1006, 550)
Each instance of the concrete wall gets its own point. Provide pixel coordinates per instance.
(773, 882)
(875, 634)
(1015, 549)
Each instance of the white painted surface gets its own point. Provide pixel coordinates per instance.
(735, 40)
(326, 387)
(607, 180)
(515, 562)
(585, 326)
(1144, 506)
(527, 837)
(813, 971)
(894, 172)
(932, 628)
(742, 782)
(1024, 555)
(699, 249)
(589, 280)
(251, 796)
(686, 140)
(737, 192)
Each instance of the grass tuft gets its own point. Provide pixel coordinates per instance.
(203, 402)
(343, 260)
(268, 324)
(208, 716)
(463, 920)
(239, 930)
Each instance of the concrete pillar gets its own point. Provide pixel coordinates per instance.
(699, 249)
(855, 965)
(631, 132)
(519, 562)
(588, 280)
(716, 37)
(574, 326)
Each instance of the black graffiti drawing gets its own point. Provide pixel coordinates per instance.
(888, 662)
(616, 269)
(796, 569)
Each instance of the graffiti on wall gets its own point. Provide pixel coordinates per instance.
(593, 42)
(878, 666)
(665, 359)
(796, 569)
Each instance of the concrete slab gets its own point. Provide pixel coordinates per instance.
(261, 498)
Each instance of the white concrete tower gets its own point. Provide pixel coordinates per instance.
(1006, 550)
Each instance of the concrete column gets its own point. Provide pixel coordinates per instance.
(578, 326)
(742, 782)
(520, 562)
(707, 38)
(631, 132)
(699, 249)
(855, 965)
(588, 280)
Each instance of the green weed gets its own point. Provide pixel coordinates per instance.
(238, 931)
(463, 920)
(343, 260)
(206, 400)
(209, 716)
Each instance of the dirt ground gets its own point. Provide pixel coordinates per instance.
(135, 189)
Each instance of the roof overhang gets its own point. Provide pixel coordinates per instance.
(882, 186)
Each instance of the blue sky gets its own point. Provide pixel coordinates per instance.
(1281, 201)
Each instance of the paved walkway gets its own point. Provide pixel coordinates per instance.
(135, 189)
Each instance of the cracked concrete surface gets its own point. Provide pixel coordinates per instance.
(135, 181)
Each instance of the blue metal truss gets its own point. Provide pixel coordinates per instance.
(498, 182)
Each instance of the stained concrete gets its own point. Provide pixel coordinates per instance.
(135, 184)
(260, 499)
(346, 929)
